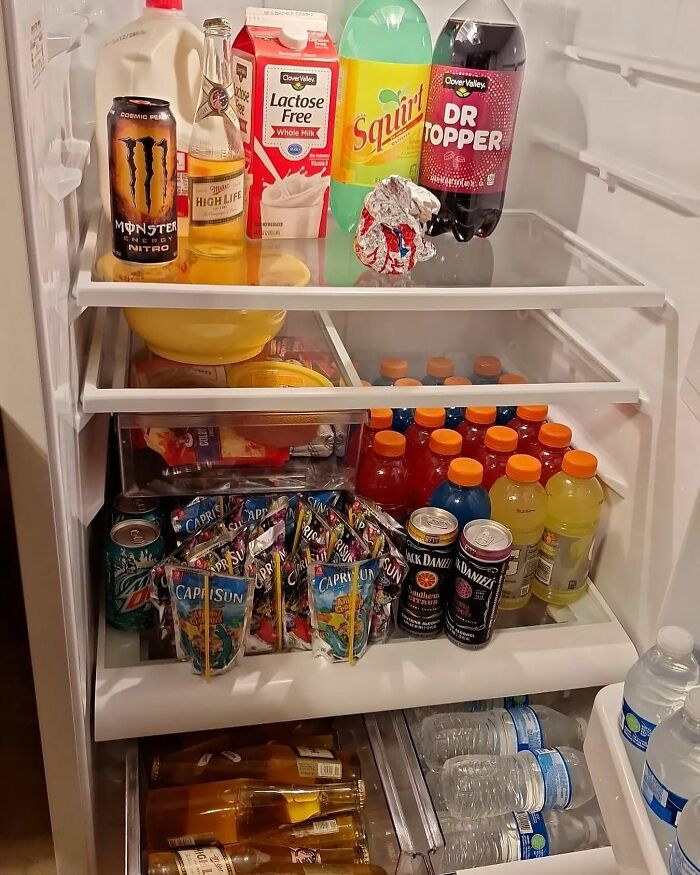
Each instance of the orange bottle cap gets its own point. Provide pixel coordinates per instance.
(524, 469)
(481, 415)
(512, 379)
(501, 438)
(457, 381)
(439, 366)
(408, 381)
(487, 366)
(381, 418)
(465, 472)
(577, 463)
(554, 434)
(533, 412)
(393, 369)
(431, 417)
(446, 442)
(366, 384)
(389, 444)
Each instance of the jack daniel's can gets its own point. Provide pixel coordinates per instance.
(143, 180)
(430, 547)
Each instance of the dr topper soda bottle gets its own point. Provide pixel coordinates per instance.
(475, 84)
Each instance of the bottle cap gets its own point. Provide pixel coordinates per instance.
(431, 417)
(367, 384)
(465, 472)
(381, 418)
(294, 35)
(457, 381)
(389, 444)
(175, 5)
(392, 368)
(481, 415)
(554, 434)
(217, 22)
(408, 381)
(579, 464)
(446, 442)
(523, 469)
(533, 412)
(675, 640)
(692, 704)
(440, 366)
(487, 366)
(512, 380)
(501, 438)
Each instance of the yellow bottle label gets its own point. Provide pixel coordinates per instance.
(379, 125)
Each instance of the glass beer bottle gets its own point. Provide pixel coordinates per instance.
(340, 831)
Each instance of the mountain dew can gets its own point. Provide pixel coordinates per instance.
(134, 547)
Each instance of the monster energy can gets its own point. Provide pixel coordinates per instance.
(143, 180)
(134, 547)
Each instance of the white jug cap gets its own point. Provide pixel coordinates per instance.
(675, 640)
(692, 704)
(294, 35)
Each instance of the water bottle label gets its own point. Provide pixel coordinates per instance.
(666, 805)
(556, 776)
(634, 728)
(528, 729)
(679, 863)
(532, 831)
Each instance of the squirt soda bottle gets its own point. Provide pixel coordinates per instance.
(574, 504)
(385, 61)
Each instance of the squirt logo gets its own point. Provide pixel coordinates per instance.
(149, 146)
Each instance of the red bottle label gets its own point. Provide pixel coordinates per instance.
(469, 129)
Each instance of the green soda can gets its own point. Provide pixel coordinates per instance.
(125, 508)
(134, 547)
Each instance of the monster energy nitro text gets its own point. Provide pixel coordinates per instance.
(143, 180)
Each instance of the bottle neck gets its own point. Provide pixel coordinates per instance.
(217, 56)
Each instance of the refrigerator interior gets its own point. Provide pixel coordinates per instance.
(602, 152)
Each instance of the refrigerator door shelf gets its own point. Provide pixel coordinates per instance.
(532, 263)
(140, 690)
(620, 798)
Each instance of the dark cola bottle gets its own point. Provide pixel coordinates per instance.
(475, 84)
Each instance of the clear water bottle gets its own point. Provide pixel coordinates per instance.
(500, 731)
(685, 853)
(655, 687)
(519, 836)
(486, 786)
(672, 769)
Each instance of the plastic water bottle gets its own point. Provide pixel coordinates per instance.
(486, 786)
(500, 731)
(519, 836)
(685, 853)
(672, 769)
(655, 687)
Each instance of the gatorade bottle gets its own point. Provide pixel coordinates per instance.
(505, 414)
(383, 477)
(462, 493)
(438, 370)
(487, 370)
(391, 370)
(380, 419)
(403, 416)
(477, 421)
(430, 469)
(386, 54)
(454, 416)
(553, 443)
(574, 504)
(527, 422)
(425, 421)
(519, 502)
(499, 445)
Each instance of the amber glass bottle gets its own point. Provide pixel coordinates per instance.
(339, 831)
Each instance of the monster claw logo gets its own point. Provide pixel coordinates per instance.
(149, 145)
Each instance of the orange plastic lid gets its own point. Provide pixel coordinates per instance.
(457, 381)
(439, 366)
(512, 379)
(501, 438)
(465, 472)
(481, 415)
(389, 444)
(431, 417)
(533, 412)
(446, 442)
(392, 368)
(580, 464)
(554, 434)
(366, 384)
(408, 381)
(487, 366)
(524, 469)
(381, 418)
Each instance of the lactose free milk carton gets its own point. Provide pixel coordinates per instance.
(285, 80)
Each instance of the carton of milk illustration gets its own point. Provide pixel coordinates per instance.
(285, 80)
